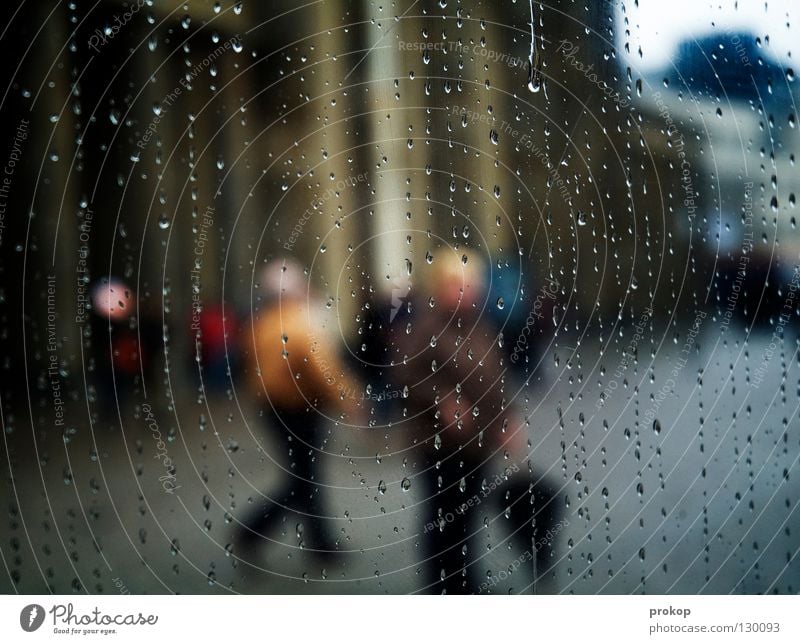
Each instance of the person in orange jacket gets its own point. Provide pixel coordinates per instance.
(293, 369)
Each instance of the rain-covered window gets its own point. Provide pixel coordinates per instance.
(415, 296)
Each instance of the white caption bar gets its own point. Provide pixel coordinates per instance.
(399, 619)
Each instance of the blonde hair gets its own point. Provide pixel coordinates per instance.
(458, 267)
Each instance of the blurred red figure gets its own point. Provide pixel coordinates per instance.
(216, 348)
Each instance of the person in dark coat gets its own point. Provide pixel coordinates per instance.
(456, 383)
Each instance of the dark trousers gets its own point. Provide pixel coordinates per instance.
(453, 512)
(297, 500)
(447, 545)
(534, 510)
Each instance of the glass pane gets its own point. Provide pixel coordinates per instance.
(415, 297)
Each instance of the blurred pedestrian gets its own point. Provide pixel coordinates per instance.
(292, 367)
(458, 387)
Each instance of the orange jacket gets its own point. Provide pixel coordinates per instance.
(290, 360)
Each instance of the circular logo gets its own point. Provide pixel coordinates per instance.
(31, 617)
